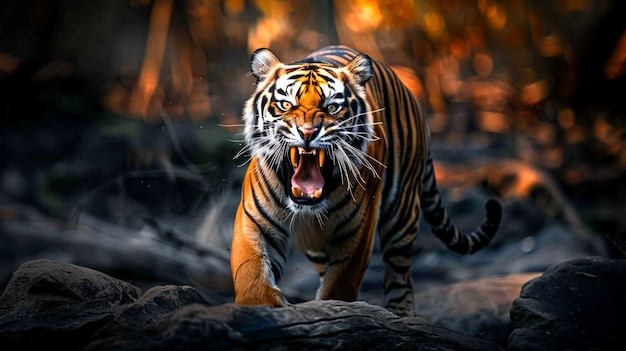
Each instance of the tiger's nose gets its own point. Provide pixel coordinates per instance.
(308, 133)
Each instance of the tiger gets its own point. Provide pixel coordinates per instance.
(339, 150)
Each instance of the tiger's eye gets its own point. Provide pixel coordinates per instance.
(284, 105)
(333, 108)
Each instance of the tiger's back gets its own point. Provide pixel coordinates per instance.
(354, 118)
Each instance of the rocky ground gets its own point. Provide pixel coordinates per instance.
(574, 305)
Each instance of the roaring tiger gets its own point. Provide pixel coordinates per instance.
(339, 150)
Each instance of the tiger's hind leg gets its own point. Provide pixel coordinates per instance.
(397, 246)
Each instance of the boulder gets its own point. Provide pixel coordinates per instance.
(80, 308)
(577, 304)
(52, 302)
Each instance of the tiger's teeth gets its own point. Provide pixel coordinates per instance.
(302, 151)
(317, 193)
(293, 153)
(296, 192)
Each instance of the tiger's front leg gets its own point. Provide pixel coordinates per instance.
(251, 268)
(345, 267)
(348, 253)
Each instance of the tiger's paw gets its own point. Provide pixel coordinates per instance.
(259, 296)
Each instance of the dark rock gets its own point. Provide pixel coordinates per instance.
(529, 339)
(475, 307)
(47, 301)
(80, 308)
(314, 325)
(577, 304)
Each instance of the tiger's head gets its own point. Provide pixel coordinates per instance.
(310, 123)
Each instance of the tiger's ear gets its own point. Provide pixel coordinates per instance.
(361, 68)
(262, 62)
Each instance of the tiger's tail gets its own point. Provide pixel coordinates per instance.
(441, 225)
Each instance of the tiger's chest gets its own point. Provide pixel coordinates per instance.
(311, 235)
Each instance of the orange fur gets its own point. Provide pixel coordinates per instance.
(254, 285)
(253, 282)
(327, 136)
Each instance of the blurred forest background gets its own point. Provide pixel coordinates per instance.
(140, 100)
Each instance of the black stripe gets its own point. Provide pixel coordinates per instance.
(267, 237)
(264, 101)
(268, 190)
(389, 171)
(339, 204)
(404, 250)
(348, 234)
(265, 215)
(398, 227)
(279, 246)
(400, 270)
(437, 215)
(344, 222)
(277, 269)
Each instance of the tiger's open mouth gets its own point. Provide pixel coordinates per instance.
(307, 182)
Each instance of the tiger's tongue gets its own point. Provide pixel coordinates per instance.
(307, 176)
